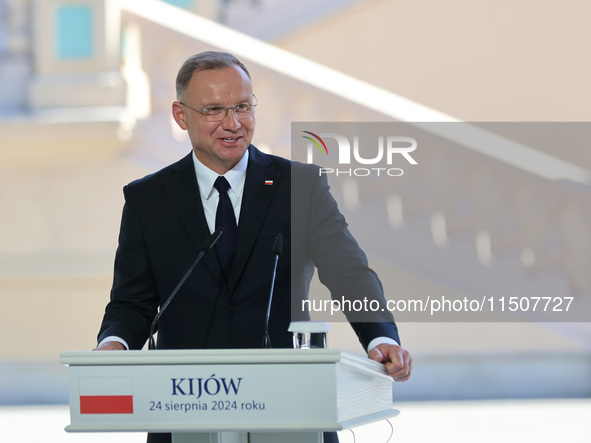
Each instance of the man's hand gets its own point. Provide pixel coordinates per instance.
(110, 346)
(397, 360)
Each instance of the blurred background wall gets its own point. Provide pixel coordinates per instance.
(85, 94)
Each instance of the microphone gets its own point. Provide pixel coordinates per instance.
(277, 248)
(209, 243)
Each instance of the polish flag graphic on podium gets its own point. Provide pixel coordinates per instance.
(106, 395)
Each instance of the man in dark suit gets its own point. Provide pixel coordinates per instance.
(168, 215)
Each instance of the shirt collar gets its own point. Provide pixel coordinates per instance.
(206, 177)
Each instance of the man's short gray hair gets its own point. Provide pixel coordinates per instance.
(204, 61)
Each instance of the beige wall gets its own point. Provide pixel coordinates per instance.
(58, 235)
(477, 60)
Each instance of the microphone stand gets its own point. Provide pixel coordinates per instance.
(277, 248)
(209, 243)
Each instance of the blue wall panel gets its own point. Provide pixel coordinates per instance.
(75, 32)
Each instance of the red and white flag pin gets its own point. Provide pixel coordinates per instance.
(268, 182)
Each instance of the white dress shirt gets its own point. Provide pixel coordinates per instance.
(210, 195)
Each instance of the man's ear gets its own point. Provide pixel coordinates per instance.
(179, 115)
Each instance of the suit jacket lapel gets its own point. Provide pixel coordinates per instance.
(256, 199)
(183, 192)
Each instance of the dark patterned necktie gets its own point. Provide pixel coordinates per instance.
(226, 219)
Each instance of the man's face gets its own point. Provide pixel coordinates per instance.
(218, 145)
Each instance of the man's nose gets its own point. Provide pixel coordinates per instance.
(231, 120)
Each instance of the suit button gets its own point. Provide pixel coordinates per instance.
(233, 308)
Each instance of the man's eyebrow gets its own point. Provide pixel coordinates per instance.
(209, 105)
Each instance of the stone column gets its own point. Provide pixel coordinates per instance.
(15, 55)
(3, 27)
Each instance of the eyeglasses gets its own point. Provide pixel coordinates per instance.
(218, 113)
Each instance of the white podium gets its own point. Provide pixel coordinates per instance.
(226, 396)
